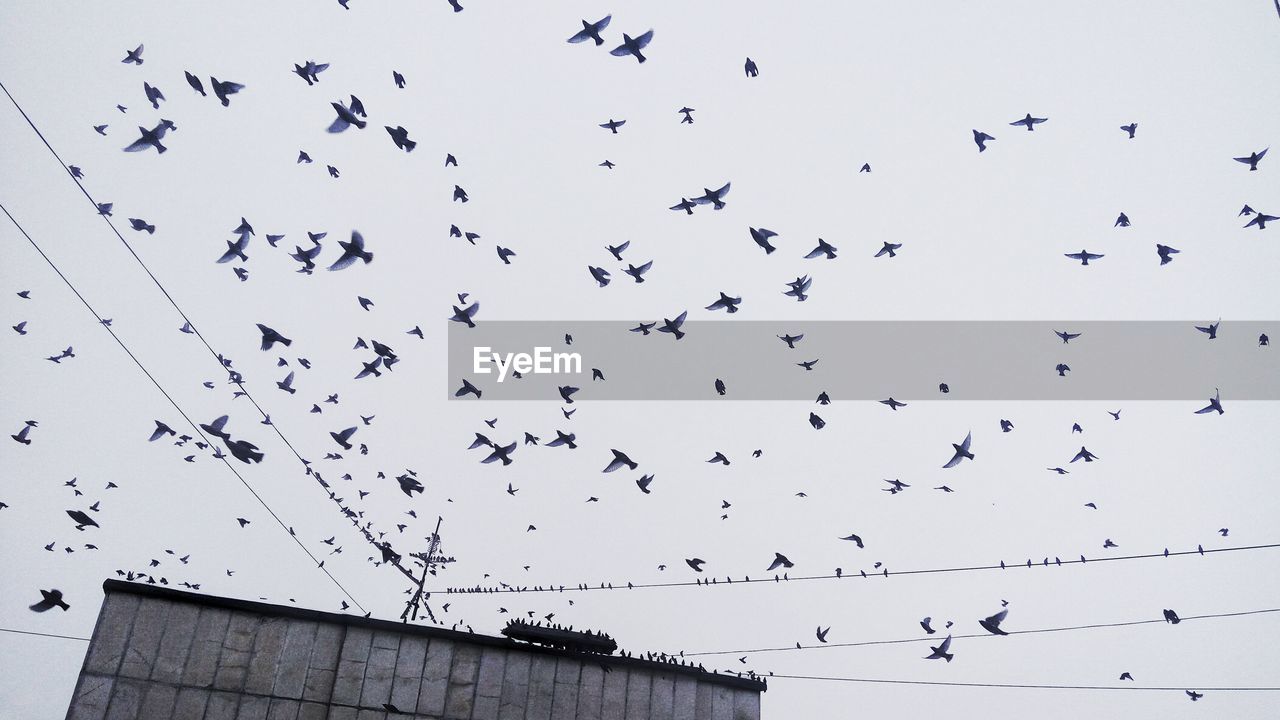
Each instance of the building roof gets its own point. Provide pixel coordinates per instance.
(288, 611)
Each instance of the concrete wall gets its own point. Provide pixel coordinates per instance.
(161, 655)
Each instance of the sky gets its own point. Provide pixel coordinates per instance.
(899, 86)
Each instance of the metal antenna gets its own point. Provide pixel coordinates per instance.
(430, 559)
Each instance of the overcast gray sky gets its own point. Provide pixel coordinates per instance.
(899, 86)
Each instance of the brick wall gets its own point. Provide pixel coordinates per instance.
(161, 654)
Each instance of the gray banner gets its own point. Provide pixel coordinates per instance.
(908, 361)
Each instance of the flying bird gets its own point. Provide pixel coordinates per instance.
(799, 287)
(1165, 252)
(271, 337)
(50, 599)
(82, 519)
(638, 272)
(142, 226)
(992, 624)
(135, 57)
(981, 139)
(779, 560)
(310, 71)
(633, 46)
(942, 651)
(1251, 159)
(617, 250)
(501, 452)
(791, 340)
(1029, 122)
(824, 248)
(620, 459)
(151, 138)
(889, 249)
(1211, 329)
(1261, 220)
(466, 388)
(346, 117)
(600, 274)
(154, 96)
(1084, 256)
(352, 251)
(195, 84)
(855, 540)
(727, 303)
(400, 137)
(1131, 128)
(465, 315)
(715, 198)
(1084, 455)
(673, 326)
(1215, 403)
(224, 90)
(686, 205)
(761, 237)
(961, 452)
(342, 437)
(591, 30)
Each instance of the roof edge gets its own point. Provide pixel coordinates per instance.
(164, 593)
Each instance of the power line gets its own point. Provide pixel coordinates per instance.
(1138, 688)
(40, 634)
(714, 582)
(167, 396)
(234, 376)
(934, 638)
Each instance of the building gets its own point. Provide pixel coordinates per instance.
(158, 654)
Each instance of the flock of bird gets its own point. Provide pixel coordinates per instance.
(375, 357)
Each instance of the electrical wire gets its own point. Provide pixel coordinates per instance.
(728, 582)
(235, 378)
(934, 638)
(1138, 688)
(40, 634)
(195, 427)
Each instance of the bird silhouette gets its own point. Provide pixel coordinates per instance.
(633, 46)
(961, 452)
(50, 599)
(591, 31)
(1029, 122)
